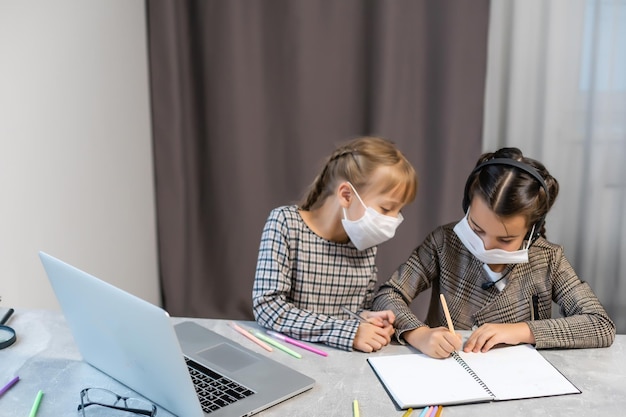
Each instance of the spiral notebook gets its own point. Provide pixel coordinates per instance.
(508, 373)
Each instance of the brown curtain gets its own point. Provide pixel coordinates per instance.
(249, 97)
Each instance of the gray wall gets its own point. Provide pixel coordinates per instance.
(75, 146)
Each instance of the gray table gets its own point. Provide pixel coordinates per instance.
(46, 358)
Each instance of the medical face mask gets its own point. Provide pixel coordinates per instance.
(475, 245)
(372, 229)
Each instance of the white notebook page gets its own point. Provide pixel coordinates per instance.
(417, 380)
(515, 372)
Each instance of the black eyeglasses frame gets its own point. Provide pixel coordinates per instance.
(83, 405)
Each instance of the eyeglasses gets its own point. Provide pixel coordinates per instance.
(108, 399)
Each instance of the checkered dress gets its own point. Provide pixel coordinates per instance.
(303, 280)
(443, 263)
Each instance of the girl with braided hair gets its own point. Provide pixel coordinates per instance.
(318, 258)
(498, 273)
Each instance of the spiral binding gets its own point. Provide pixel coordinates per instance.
(470, 371)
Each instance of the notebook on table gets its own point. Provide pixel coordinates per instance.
(507, 373)
(135, 342)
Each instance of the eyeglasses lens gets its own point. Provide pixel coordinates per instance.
(97, 402)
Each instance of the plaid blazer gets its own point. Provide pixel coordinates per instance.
(443, 263)
(302, 281)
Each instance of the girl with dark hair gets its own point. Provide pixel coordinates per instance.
(498, 273)
(319, 257)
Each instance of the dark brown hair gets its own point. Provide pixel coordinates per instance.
(509, 190)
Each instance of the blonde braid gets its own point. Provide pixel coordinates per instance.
(320, 182)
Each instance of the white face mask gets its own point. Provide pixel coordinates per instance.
(372, 229)
(475, 245)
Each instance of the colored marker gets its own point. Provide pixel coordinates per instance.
(251, 337)
(439, 411)
(277, 345)
(425, 411)
(434, 411)
(355, 408)
(9, 385)
(33, 411)
(295, 342)
(407, 412)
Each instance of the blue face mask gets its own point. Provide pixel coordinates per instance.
(372, 229)
(475, 245)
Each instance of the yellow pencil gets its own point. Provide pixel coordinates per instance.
(407, 413)
(355, 408)
(446, 312)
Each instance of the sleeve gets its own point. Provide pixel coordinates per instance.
(585, 323)
(407, 282)
(274, 309)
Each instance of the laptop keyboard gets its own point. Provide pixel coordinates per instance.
(214, 390)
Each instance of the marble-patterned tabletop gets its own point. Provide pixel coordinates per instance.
(45, 357)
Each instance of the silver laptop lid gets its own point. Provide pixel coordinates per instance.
(134, 342)
(124, 336)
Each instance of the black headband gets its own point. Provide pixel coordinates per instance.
(517, 164)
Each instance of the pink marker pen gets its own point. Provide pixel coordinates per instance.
(296, 343)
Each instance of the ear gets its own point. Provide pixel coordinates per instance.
(345, 194)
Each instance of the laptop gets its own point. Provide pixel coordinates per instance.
(136, 343)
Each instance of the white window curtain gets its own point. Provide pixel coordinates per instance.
(556, 89)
